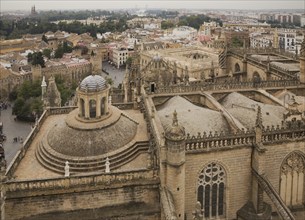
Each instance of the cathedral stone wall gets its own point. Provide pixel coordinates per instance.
(63, 200)
(275, 156)
(251, 70)
(237, 165)
(231, 62)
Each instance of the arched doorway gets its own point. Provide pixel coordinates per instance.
(237, 68)
(103, 106)
(292, 179)
(82, 107)
(92, 108)
(211, 191)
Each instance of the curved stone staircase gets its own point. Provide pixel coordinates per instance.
(55, 162)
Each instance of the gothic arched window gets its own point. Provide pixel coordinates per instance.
(292, 180)
(211, 190)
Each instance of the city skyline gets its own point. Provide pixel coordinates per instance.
(9, 5)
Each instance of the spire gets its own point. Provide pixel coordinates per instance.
(135, 48)
(175, 119)
(259, 120)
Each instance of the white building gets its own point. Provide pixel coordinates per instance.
(184, 32)
(120, 56)
(303, 21)
(287, 39)
(260, 40)
(207, 27)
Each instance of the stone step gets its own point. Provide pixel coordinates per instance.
(57, 164)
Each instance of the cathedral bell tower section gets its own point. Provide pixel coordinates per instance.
(175, 164)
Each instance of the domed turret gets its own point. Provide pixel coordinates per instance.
(175, 160)
(175, 132)
(92, 95)
(93, 83)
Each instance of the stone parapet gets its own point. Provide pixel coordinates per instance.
(222, 141)
(226, 86)
(21, 188)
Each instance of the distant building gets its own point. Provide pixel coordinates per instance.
(184, 32)
(287, 39)
(303, 21)
(207, 28)
(234, 37)
(120, 56)
(33, 10)
(267, 17)
(261, 40)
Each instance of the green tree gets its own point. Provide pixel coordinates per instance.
(28, 101)
(30, 57)
(19, 103)
(59, 52)
(38, 59)
(47, 53)
(61, 49)
(66, 47)
(236, 42)
(109, 80)
(65, 90)
(166, 24)
(129, 61)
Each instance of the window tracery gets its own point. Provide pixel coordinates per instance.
(211, 190)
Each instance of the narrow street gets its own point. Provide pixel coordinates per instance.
(13, 129)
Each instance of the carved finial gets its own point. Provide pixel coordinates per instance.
(259, 120)
(175, 119)
(107, 165)
(67, 169)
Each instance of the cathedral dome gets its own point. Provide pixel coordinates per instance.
(93, 83)
(80, 139)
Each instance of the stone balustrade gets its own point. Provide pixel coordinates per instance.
(82, 180)
(284, 134)
(216, 141)
(262, 51)
(229, 85)
(124, 106)
(61, 110)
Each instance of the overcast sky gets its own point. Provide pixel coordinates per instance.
(116, 4)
